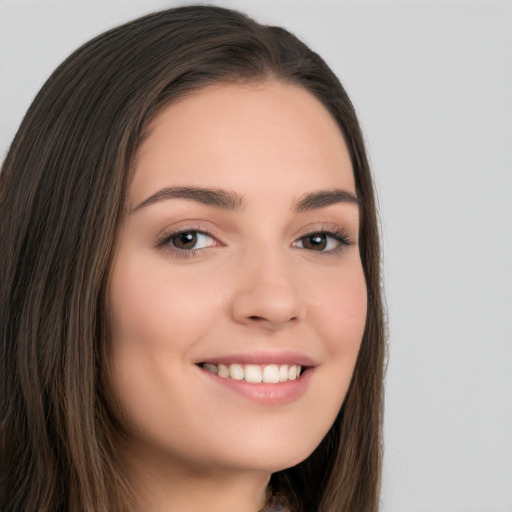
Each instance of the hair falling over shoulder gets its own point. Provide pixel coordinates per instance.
(62, 190)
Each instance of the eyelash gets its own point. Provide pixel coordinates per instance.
(336, 234)
(165, 241)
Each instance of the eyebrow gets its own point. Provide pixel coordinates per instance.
(229, 200)
(323, 198)
(224, 199)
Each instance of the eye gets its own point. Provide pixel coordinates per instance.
(190, 240)
(322, 241)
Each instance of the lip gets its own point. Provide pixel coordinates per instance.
(262, 358)
(280, 393)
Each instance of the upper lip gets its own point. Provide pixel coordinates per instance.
(283, 357)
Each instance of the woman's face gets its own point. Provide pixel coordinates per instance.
(238, 256)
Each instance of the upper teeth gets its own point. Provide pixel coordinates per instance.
(270, 373)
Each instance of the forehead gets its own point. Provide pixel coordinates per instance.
(239, 135)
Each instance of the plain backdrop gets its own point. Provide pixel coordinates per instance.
(432, 83)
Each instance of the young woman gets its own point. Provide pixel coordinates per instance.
(191, 313)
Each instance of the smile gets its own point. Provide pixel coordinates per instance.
(254, 373)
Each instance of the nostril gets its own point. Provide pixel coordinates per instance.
(262, 319)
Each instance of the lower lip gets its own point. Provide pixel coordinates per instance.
(281, 393)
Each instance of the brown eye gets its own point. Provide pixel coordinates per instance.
(186, 240)
(190, 240)
(315, 242)
(322, 241)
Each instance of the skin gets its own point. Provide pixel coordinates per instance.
(255, 285)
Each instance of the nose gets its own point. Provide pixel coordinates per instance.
(267, 294)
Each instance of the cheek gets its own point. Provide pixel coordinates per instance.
(338, 313)
(153, 325)
(135, 303)
(341, 312)
(151, 309)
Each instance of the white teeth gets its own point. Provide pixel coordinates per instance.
(236, 371)
(253, 373)
(210, 367)
(223, 371)
(270, 373)
(292, 372)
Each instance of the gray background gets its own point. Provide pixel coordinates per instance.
(432, 83)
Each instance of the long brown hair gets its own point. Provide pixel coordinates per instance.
(62, 191)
